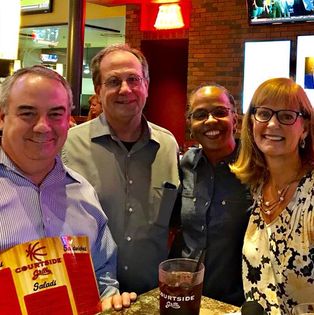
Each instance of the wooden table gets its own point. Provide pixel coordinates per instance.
(148, 304)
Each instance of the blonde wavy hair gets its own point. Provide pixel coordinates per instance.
(250, 166)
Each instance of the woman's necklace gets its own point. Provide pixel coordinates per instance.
(268, 207)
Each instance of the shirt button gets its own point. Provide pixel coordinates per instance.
(129, 238)
(203, 227)
(130, 210)
(206, 203)
(194, 199)
(150, 222)
(129, 155)
(126, 268)
(212, 177)
(130, 181)
(223, 202)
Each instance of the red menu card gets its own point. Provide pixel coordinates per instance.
(49, 276)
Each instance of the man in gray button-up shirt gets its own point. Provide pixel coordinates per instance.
(131, 163)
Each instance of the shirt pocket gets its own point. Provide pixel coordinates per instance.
(193, 212)
(163, 199)
(229, 207)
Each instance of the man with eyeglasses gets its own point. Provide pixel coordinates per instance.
(214, 210)
(132, 164)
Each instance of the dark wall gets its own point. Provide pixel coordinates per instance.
(5, 67)
(166, 103)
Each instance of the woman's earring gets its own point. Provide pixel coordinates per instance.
(302, 143)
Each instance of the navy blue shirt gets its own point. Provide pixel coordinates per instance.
(214, 216)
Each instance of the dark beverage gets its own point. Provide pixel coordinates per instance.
(183, 299)
(180, 285)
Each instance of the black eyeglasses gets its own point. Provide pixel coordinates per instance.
(218, 112)
(133, 81)
(284, 116)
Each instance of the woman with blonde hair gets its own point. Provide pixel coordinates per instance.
(276, 159)
(95, 108)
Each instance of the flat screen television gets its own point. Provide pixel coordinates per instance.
(50, 58)
(305, 64)
(279, 11)
(259, 68)
(36, 6)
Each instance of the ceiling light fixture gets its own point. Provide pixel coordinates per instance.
(169, 17)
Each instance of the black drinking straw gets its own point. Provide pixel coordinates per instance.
(200, 260)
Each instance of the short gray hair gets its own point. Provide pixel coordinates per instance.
(6, 86)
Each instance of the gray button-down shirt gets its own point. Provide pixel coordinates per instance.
(132, 191)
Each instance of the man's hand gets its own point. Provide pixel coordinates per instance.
(117, 301)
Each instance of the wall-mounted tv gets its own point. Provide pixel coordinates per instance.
(280, 11)
(258, 67)
(50, 58)
(305, 64)
(36, 6)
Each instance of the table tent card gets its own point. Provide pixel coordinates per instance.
(49, 276)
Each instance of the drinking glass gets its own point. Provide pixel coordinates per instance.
(303, 309)
(180, 284)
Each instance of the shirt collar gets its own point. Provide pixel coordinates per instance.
(59, 167)
(200, 157)
(6, 161)
(99, 127)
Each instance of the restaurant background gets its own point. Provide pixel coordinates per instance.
(216, 37)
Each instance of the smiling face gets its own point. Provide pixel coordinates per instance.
(122, 103)
(272, 138)
(278, 140)
(215, 134)
(35, 123)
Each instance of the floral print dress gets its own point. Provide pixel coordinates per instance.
(278, 258)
